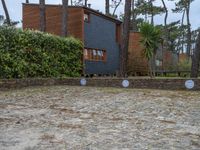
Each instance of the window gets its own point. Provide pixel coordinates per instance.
(94, 54)
(158, 63)
(118, 33)
(100, 54)
(86, 54)
(86, 17)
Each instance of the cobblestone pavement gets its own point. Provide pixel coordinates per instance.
(88, 118)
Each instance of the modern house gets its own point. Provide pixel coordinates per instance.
(100, 34)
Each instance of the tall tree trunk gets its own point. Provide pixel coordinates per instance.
(150, 69)
(107, 8)
(6, 12)
(71, 2)
(145, 14)
(152, 19)
(188, 30)
(166, 12)
(183, 32)
(154, 54)
(86, 3)
(134, 15)
(64, 17)
(196, 59)
(27, 1)
(42, 16)
(154, 63)
(125, 39)
(166, 35)
(152, 12)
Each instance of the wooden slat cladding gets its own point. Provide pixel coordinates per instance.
(54, 19)
(136, 62)
(118, 33)
(30, 17)
(76, 23)
(182, 57)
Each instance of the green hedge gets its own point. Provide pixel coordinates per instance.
(25, 54)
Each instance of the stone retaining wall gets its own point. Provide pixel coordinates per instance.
(168, 84)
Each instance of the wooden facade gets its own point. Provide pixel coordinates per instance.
(137, 64)
(100, 34)
(54, 19)
(75, 22)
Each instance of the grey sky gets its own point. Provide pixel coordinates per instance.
(15, 10)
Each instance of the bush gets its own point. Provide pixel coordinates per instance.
(35, 54)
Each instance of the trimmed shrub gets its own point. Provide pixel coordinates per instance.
(28, 53)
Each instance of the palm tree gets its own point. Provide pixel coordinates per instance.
(125, 39)
(151, 37)
(196, 59)
(42, 16)
(6, 12)
(64, 17)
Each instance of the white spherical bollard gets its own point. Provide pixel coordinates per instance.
(125, 83)
(83, 82)
(189, 84)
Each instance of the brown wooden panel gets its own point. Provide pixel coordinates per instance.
(54, 19)
(136, 62)
(167, 59)
(182, 57)
(118, 33)
(30, 17)
(76, 23)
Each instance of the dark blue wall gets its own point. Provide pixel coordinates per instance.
(100, 33)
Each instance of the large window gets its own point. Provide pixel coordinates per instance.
(94, 54)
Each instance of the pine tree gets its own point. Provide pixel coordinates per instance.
(134, 16)
(107, 7)
(147, 8)
(196, 59)
(181, 6)
(125, 39)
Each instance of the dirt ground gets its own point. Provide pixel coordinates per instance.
(88, 118)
